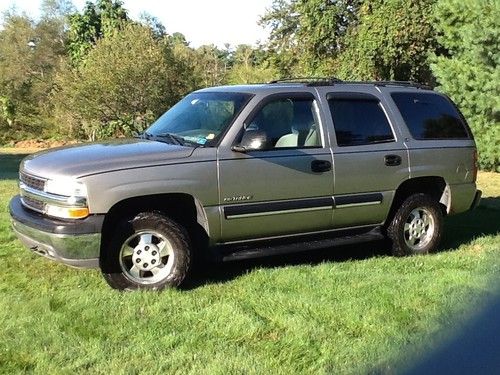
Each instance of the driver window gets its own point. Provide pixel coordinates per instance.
(287, 123)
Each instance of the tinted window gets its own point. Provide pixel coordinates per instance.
(359, 122)
(288, 123)
(430, 116)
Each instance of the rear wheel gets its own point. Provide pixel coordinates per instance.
(150, 251)
(417, 226)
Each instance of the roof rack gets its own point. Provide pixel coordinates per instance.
(308, 80)
(326, 81)
(392, 83)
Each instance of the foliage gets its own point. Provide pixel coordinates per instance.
(391, 42)
(157, 28)
(189, 71)
(97, 21)
(210, 65)
(469, 70)
(29, 57)
(352, 39)
(127, 80)
(306, 34)
(248, 66)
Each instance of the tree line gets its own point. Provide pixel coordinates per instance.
(97, 73)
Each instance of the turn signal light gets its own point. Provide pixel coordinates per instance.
(68, 212)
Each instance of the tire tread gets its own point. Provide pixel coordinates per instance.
(151, 220)
(395, 234)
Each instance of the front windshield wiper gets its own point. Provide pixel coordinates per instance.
(173, 138)
(140, 135)
(144, 135)
(170, 137)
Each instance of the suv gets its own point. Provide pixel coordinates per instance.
(243, 171)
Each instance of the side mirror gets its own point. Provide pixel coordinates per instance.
(252, 140)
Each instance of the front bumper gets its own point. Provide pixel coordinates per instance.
(75, 243)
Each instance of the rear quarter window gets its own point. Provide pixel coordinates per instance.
(430, 116)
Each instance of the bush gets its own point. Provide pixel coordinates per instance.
(126, 80)
(468, 72)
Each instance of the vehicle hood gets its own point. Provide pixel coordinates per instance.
(93, 158)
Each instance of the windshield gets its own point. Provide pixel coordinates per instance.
(199, 118)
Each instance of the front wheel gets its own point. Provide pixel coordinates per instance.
(417, 226)
(150, 251)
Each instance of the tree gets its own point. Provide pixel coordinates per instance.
(211, 65)
(127, 80)
(187, 62)
(154, 24)
(57, 10)
(468, 71)
(97, 20)
(392, 41)
(248, 66)
(305, 34)
(30, 53)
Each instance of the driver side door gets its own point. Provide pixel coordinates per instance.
(285, 187)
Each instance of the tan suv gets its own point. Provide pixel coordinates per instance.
(242, 171)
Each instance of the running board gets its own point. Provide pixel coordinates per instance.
(270, 248)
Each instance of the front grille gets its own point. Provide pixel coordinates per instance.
(33, 182)
(34, 204)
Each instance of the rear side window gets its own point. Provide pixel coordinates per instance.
(430, 116)
(359, 122)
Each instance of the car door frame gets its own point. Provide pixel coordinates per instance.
(369, 206)
(248, 207)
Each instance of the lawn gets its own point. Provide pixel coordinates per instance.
(341, 310)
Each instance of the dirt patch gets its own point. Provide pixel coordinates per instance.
(41, 144)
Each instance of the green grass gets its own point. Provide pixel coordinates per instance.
(344, 310)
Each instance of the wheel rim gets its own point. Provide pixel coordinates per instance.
(419, 228)
(146, 257)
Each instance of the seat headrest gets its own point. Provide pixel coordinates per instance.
(302, 120)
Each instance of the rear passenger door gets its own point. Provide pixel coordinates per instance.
(370, 157)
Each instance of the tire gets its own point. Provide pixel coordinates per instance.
(149, 251)
(417, 226)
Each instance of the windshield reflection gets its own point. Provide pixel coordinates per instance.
(199, 119)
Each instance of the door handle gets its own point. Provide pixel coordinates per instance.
(321, 166)
(392, 160)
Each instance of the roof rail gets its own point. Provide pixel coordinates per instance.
(308, 80)
(325, 81)
(392, 83)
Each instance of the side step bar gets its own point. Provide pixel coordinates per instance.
(272, 247)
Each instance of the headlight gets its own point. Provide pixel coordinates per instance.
(72, 201)
(66, 187)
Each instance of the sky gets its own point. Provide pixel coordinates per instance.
(201, 21)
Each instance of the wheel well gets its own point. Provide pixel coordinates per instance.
(434, 186)
(182, 208)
